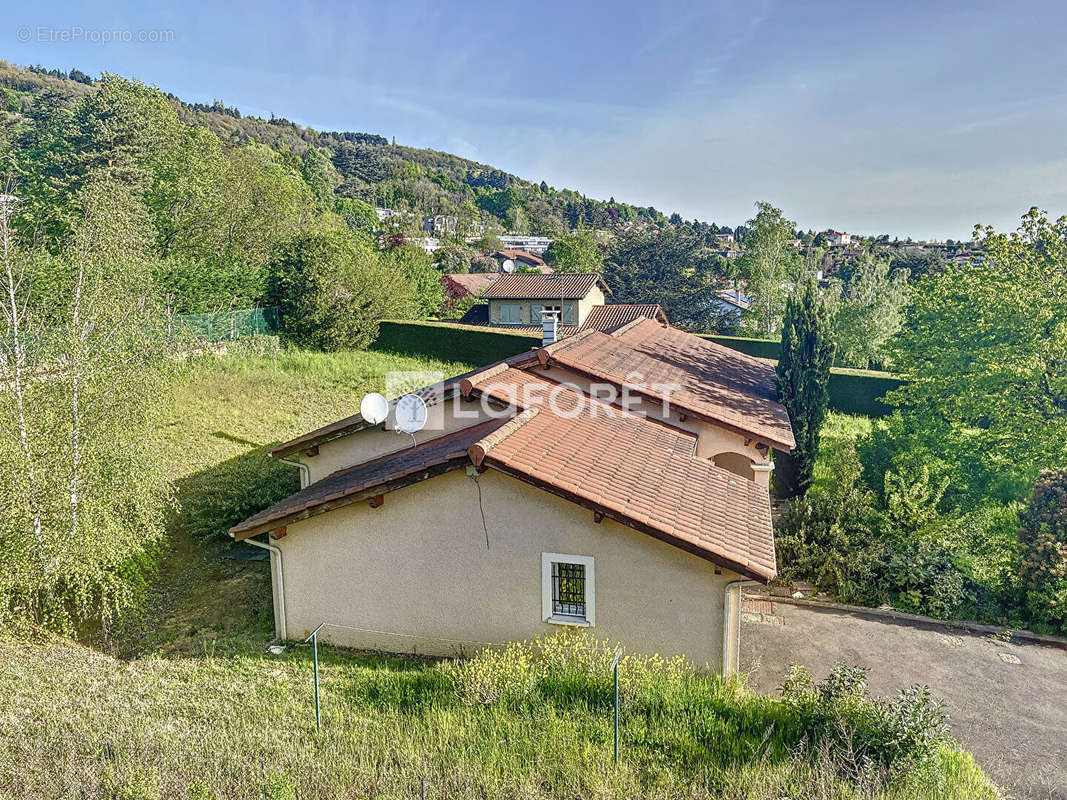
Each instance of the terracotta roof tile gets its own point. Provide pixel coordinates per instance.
(714, 382)
(607, 318)
(529, 286)
(631, 468)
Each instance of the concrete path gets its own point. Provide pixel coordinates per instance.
(1007, 702)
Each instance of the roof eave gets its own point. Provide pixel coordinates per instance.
(242, 531)
(754, 571)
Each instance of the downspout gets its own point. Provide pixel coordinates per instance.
(278, 586)
(729, 636)
(305, 471)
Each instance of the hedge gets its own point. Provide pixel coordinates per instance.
(852, 391)
(446, 341)
(760, 348)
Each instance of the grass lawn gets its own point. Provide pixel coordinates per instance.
(182, 702)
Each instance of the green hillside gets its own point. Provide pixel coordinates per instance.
(371, 167)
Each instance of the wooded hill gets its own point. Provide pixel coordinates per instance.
(371, 168)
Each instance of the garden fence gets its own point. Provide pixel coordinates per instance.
(223, 326)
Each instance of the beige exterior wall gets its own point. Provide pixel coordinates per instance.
(415, 574)
(355, 448)
(712, 440)
(594, 297)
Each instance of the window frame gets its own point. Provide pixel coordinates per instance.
(518, 313)
(547, 613)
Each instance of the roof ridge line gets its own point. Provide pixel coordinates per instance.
(478, 450)
(545, 353)
(466, 386)
(631, 324)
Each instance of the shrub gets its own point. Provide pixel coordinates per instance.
(332, 291)
(1043, 549)
(862, 733)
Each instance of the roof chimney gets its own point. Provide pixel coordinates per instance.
(548, 327)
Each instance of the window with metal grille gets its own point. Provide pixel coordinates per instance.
(568, 589)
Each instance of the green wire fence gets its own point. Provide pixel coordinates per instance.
(224, 326)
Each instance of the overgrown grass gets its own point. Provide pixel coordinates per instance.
(226, 412)
(229, 721)
(193, 707)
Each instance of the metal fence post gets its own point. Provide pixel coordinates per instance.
(615, 669)
(314, 639)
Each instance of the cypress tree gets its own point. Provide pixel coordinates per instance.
(803, 377)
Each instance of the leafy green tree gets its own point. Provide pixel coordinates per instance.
(575, 252)
(333, 290)
(484, 264)
(919, 263)
(803, 377)
(454, 259)
(983, 352)
(83, 480)
(770, 263)
(420, 276)
(671, 267)
(869, 312)
(320, 175)
(1043, 549)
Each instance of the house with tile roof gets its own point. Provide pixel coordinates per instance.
(614, 480)
(518, 299)
(509, 260)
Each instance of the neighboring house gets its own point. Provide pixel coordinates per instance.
(731, 305)
(427, 243)
(609, 318)
(837, 238)
(529, 504)
(510, 260)
(520, 298)
(531, 244)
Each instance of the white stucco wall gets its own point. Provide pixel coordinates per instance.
(416, 573)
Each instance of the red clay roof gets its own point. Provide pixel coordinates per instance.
(715, 382)
(349, 485)
(635, 470)
(608, 318)
(529, 286)
(472, 283)
(522, 255)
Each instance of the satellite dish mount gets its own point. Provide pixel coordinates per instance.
(410, 415)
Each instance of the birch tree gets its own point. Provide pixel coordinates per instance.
(84, 376)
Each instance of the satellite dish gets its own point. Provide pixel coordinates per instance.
(508, 265)
(410, 414)
(374, 408)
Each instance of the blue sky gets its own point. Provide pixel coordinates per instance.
(908, 118)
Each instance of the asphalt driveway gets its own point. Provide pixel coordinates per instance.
(1007, 701)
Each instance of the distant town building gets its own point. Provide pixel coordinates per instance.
(837, 238)
(388, 213)
(531, 244)
(427, 243)
(440, 224)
